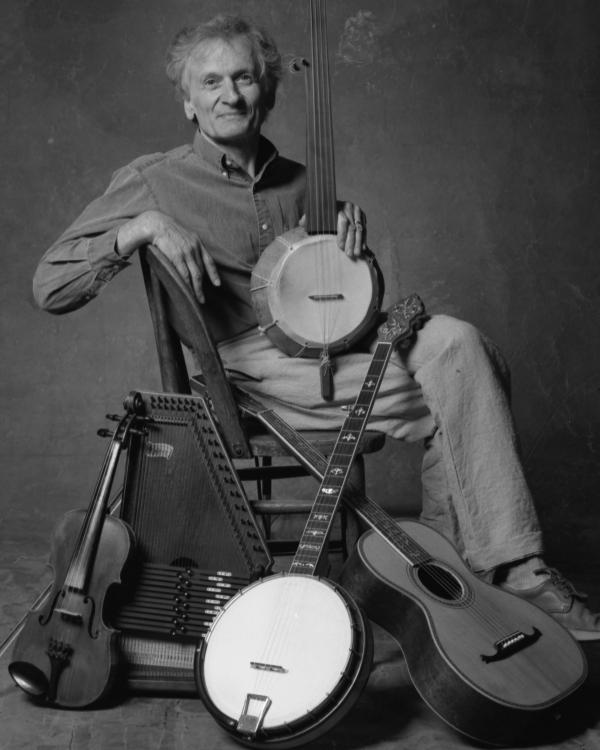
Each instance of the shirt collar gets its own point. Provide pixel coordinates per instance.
(215, 155)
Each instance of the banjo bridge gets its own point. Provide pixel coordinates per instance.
(325, 297)
(267, 667)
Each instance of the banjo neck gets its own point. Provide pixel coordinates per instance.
(403, 319)
(321, 196)
(311, 546)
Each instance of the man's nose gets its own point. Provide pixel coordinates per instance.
(230, 92)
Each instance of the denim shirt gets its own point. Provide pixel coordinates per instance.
(234, 215)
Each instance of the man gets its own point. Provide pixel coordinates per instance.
(211, 208)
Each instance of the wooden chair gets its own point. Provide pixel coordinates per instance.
(178, 320)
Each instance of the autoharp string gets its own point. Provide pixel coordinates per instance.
(166, 525)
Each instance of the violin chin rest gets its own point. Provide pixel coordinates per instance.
(29, 678)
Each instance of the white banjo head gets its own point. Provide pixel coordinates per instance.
(288, 639)
(326, 294)
(309, 294)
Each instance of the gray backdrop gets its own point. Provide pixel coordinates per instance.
(466, 129)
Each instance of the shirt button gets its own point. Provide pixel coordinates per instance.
(264, 226)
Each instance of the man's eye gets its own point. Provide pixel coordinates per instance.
(211, 83)
(246, 78)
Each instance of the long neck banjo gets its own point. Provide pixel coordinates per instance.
(311, 299)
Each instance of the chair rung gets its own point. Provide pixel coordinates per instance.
(271, 472)
(271, 507)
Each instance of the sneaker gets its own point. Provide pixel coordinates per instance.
(559, 598)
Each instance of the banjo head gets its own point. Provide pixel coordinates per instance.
(290, 643)
(308, 294)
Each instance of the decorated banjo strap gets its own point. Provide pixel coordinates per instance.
(403, 320)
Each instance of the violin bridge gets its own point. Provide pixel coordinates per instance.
(253, 714)
(74, 617)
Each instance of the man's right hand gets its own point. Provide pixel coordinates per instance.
(182, 247)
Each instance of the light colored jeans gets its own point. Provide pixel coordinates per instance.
(450, 389)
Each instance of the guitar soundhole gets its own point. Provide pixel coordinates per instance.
(440, 582)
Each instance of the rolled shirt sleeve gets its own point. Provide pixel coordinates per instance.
(83, 259)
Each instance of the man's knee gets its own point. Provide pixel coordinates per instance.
(463, 336)
(446, 332)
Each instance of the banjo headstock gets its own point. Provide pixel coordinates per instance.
(404, 318)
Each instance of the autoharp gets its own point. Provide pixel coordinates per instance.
(197, 541)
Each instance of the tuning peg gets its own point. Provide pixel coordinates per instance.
(104, 433)
(113, 417)
(297, 64)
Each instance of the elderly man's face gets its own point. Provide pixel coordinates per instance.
(224, 93)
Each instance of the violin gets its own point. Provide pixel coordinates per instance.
(65, 653)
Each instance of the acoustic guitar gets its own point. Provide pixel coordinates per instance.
(493, 666)
(310, 298)
(287, 657)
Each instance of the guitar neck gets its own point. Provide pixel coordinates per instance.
(375, 516)
(402, 321)
(321, 207)
(316, 532)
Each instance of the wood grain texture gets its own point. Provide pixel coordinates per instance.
(443, 641)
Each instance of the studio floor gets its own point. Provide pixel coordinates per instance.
(389, 713)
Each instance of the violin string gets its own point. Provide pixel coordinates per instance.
(79, 557)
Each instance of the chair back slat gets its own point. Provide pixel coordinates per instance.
(177, 319)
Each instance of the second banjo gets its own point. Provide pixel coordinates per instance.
(310, 298)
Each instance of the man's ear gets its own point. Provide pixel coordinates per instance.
(189, 110)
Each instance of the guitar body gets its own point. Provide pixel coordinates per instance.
(307, 293)
(487, 662)
(285, 660)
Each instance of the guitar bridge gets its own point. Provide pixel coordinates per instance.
(511, 644)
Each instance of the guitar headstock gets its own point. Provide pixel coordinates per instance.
(404, 318)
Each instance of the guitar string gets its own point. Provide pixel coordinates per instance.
(497, 624)
(281, 426)
(293, 439)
